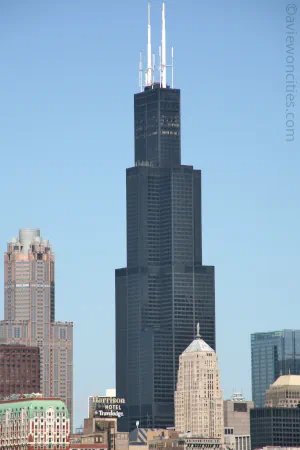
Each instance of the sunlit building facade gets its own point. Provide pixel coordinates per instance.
(29, 312)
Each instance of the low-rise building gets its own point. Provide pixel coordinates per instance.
(237, 422)
(32, 422)
(101, 427)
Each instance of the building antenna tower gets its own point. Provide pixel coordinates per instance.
(141, 72)
(163, 49)
(149, 71)
(172, 67)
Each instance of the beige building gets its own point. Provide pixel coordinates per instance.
(237, 422)
(101, 426)
(198, 397)
(284, 392)
(29, 312)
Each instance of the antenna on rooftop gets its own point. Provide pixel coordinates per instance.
(163, 49)
(149, 52)
(141, 72)
(172, 67)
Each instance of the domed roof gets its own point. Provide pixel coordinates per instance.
(287, 380)
(198, 344)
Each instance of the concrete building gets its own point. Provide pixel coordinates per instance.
(144, 439)
(169, 439)
(19, 370)
(284, 393)
(237, 422)
(29, 312)
(32, 422)
(198, 397)
(273, 354)
(278, 423)
(101, 426)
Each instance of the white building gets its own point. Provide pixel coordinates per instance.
(198, 397)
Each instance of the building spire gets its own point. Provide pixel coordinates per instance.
(163, 49)
(149, 74)
(198, 335)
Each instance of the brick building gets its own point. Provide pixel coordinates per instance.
(19, 370)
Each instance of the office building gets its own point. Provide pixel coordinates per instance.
(278, 423)
(33, 422)
(198, 397)
(237, 422)
(165, 288)
(273, 354)
(275, 427)
(19, 370)
(29, 312)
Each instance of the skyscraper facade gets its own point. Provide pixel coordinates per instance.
(29, 312)
(273, 354)
(165, 289)
(198, 396)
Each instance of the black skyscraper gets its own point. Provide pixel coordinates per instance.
(164, 290)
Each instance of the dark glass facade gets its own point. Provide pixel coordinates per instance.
(276, 427)
(164, 290)
(273, 354)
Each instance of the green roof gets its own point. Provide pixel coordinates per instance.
(33, 406)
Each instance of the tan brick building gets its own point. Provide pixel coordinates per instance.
(198, 397)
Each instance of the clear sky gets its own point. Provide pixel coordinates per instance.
(69, 69)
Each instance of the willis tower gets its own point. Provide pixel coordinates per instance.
(165, 289)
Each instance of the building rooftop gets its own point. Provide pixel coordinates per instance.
(287, 380)
(198, 345)
(32, 403)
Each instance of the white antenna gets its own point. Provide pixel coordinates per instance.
(160, 66)
(149, 52)
(141, 72)
(172, 67)
(153, 67)
(163, 50)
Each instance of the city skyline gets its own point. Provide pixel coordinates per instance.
(57, 96)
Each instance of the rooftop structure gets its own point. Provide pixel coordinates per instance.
(284, 392)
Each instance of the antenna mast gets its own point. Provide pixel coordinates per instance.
(149, 52)
(172, 67)
(141, 72)
(163, 50)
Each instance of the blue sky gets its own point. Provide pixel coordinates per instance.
(69, 70)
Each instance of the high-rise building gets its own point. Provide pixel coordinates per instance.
(273, 354)
(277, 424)
(198, 397)
(29, 312)
(165, 289)
(19, 370)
